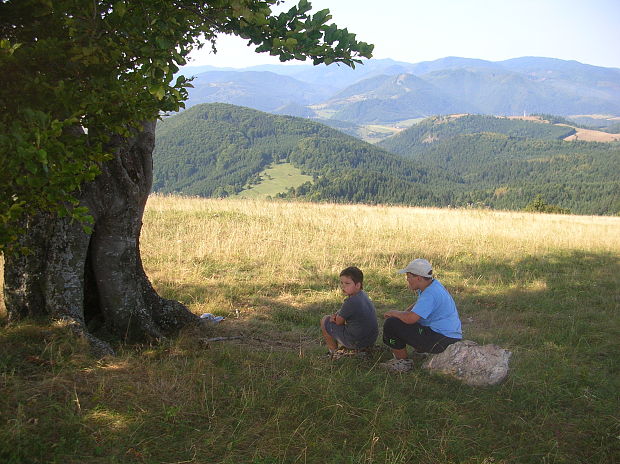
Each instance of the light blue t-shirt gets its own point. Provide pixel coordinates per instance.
(437, 310)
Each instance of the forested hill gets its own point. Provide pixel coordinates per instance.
(504, 163)
(441, 128)
(220, 149)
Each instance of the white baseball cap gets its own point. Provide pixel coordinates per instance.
(419, 267)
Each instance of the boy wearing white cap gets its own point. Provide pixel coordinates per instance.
(429, 325)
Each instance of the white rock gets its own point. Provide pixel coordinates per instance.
(473, 364)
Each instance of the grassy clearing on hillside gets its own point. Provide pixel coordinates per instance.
(544, 286)
(374, 133)
(276, 179)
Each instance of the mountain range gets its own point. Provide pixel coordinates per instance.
(398, 93)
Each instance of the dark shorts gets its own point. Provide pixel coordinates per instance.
(339, 333)
(397, 335)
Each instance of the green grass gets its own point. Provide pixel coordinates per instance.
(276, 179)
(273, 397)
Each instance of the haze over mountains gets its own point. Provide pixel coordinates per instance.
(390, 92)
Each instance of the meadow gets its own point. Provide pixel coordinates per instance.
(276, 179)
(546, 287)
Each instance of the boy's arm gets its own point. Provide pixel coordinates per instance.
(340, 317)
(337, 319)
(408, 317)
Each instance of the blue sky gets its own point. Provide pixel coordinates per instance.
(587, 31)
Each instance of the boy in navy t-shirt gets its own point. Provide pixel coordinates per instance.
(355, 325)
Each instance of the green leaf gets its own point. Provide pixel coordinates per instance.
(42, 156)
(158, 92)
(120, 8)
(290, 43)
(163, 43)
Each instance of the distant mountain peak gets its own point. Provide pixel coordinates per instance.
(387, 91)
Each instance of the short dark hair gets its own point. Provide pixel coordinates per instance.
(355, 273)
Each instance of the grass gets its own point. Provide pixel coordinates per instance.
(374, 133)
(276, 179)
(544, 286)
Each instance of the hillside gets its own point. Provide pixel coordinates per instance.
(387, 99)
(480, 89)
(220, 150)
(504, 162)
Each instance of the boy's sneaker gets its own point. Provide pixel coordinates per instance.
(341, 352)
(398, 365)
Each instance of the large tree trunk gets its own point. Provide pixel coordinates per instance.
(96, 281)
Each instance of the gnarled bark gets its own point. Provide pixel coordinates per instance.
(97, 280)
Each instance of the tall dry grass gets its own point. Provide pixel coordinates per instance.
(271, 243)
(284, 235)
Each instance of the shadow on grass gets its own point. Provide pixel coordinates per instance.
(568, 298)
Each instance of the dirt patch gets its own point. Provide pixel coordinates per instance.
(589, 135)
(244, 332)
(258, 342)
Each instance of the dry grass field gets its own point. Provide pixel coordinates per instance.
(249, 257)
(590, 135)
(283, 241)
(546, 287)
(585, 135)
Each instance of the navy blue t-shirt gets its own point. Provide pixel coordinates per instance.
(360, 319)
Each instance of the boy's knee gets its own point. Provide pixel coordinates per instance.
(390, 324)
(390, 333)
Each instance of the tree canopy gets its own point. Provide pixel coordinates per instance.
(77, 72)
